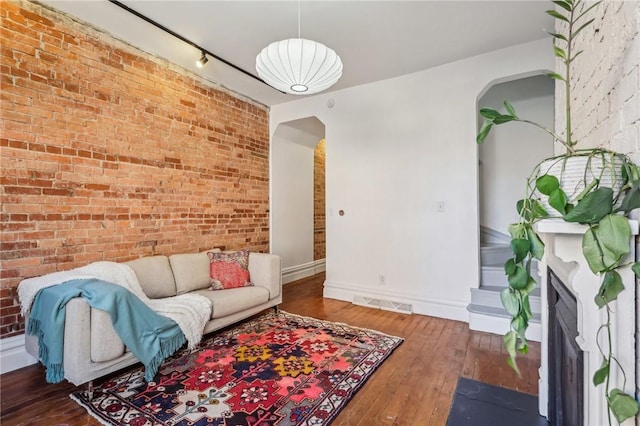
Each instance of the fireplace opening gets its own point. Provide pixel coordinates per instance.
(566, 379)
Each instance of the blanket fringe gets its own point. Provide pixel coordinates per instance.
(54, 372)
(167, 348)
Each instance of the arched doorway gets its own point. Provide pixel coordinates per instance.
(506, 160)
(511, 151)
(297, 197)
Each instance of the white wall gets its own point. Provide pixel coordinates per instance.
(292, 198)
(511, 151)
(394, 149)
(292, 150)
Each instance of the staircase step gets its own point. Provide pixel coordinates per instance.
(486, 312)
(492, 320)
(489, 296)
(495, 276)
(497, 312)
(494, 254)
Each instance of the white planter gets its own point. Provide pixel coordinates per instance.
(576, 172)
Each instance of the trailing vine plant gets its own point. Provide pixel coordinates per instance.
(605, 245)
(601, 208)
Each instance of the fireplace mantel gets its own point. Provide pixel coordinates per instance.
(563, 255)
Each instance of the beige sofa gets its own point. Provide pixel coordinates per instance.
(92, 348)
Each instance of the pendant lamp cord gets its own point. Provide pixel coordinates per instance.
(298, 18)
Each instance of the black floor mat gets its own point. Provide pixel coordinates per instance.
(479, 404)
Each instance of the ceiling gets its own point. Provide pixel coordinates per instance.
(376, 40)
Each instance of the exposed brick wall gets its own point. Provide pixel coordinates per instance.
(319, 231)
(606, 81)
(109, 153)
(606, 95)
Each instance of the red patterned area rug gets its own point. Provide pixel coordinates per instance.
(277, 369)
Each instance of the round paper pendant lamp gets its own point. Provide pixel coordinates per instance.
(299, 66)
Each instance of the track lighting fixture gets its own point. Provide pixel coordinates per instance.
(202, 61)
(203, 58)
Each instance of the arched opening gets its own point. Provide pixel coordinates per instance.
(297, 197)
(511, 151)
(506, 160)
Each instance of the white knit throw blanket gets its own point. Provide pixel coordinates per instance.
(190, 311)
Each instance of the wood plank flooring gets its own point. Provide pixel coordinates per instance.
(413, 387)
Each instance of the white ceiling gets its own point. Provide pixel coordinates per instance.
(375, 39)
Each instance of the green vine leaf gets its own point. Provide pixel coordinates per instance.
(553, 74)
(510, 341)
(563, 4)
(610, 288)
(519, 325)
(501, 119)
(587, 189)
(623, 406)
(530, 209)
(557, 15)
(604, 245)
(531, 285)
(520, 248)
(526, 308)
(536, 245)
(489, 113)
(586, 24)
(484, 131)
(510, 267)
(510, 301)
(601, 375)
(632, 198)
(509, 108)
(546, 184)
(636, 269)
(560, 53)
(558, 200)
(614, 233)
(593, 207)
(519, 278)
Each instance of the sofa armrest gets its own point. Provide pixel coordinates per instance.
(265, 271)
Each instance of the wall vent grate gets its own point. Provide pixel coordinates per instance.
(387, 305)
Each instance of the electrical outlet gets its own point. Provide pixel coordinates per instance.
(440, 206)
(381, 279)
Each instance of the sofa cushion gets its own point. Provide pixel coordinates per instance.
(229, 270)
(231, 301)
(155, 276)
(191, 271)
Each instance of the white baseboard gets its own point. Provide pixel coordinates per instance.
(293, 273)
(420, 305)
(13, 355)
(501, 325)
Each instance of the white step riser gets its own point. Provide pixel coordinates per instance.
(494, 255)
(492, 298)
(497, 325)
(495, 276)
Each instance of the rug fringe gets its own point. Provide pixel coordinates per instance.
(81, 403)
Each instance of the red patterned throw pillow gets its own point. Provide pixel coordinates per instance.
(229, 269)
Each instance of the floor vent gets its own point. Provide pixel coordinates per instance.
(387, 305)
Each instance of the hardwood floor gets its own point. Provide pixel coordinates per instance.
(413, 387)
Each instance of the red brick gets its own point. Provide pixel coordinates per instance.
(121, 156)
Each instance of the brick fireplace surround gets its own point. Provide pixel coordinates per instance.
(110, 153)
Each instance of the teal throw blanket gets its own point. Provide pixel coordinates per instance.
(149, 336)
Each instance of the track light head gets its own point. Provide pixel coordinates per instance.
(202, 61)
